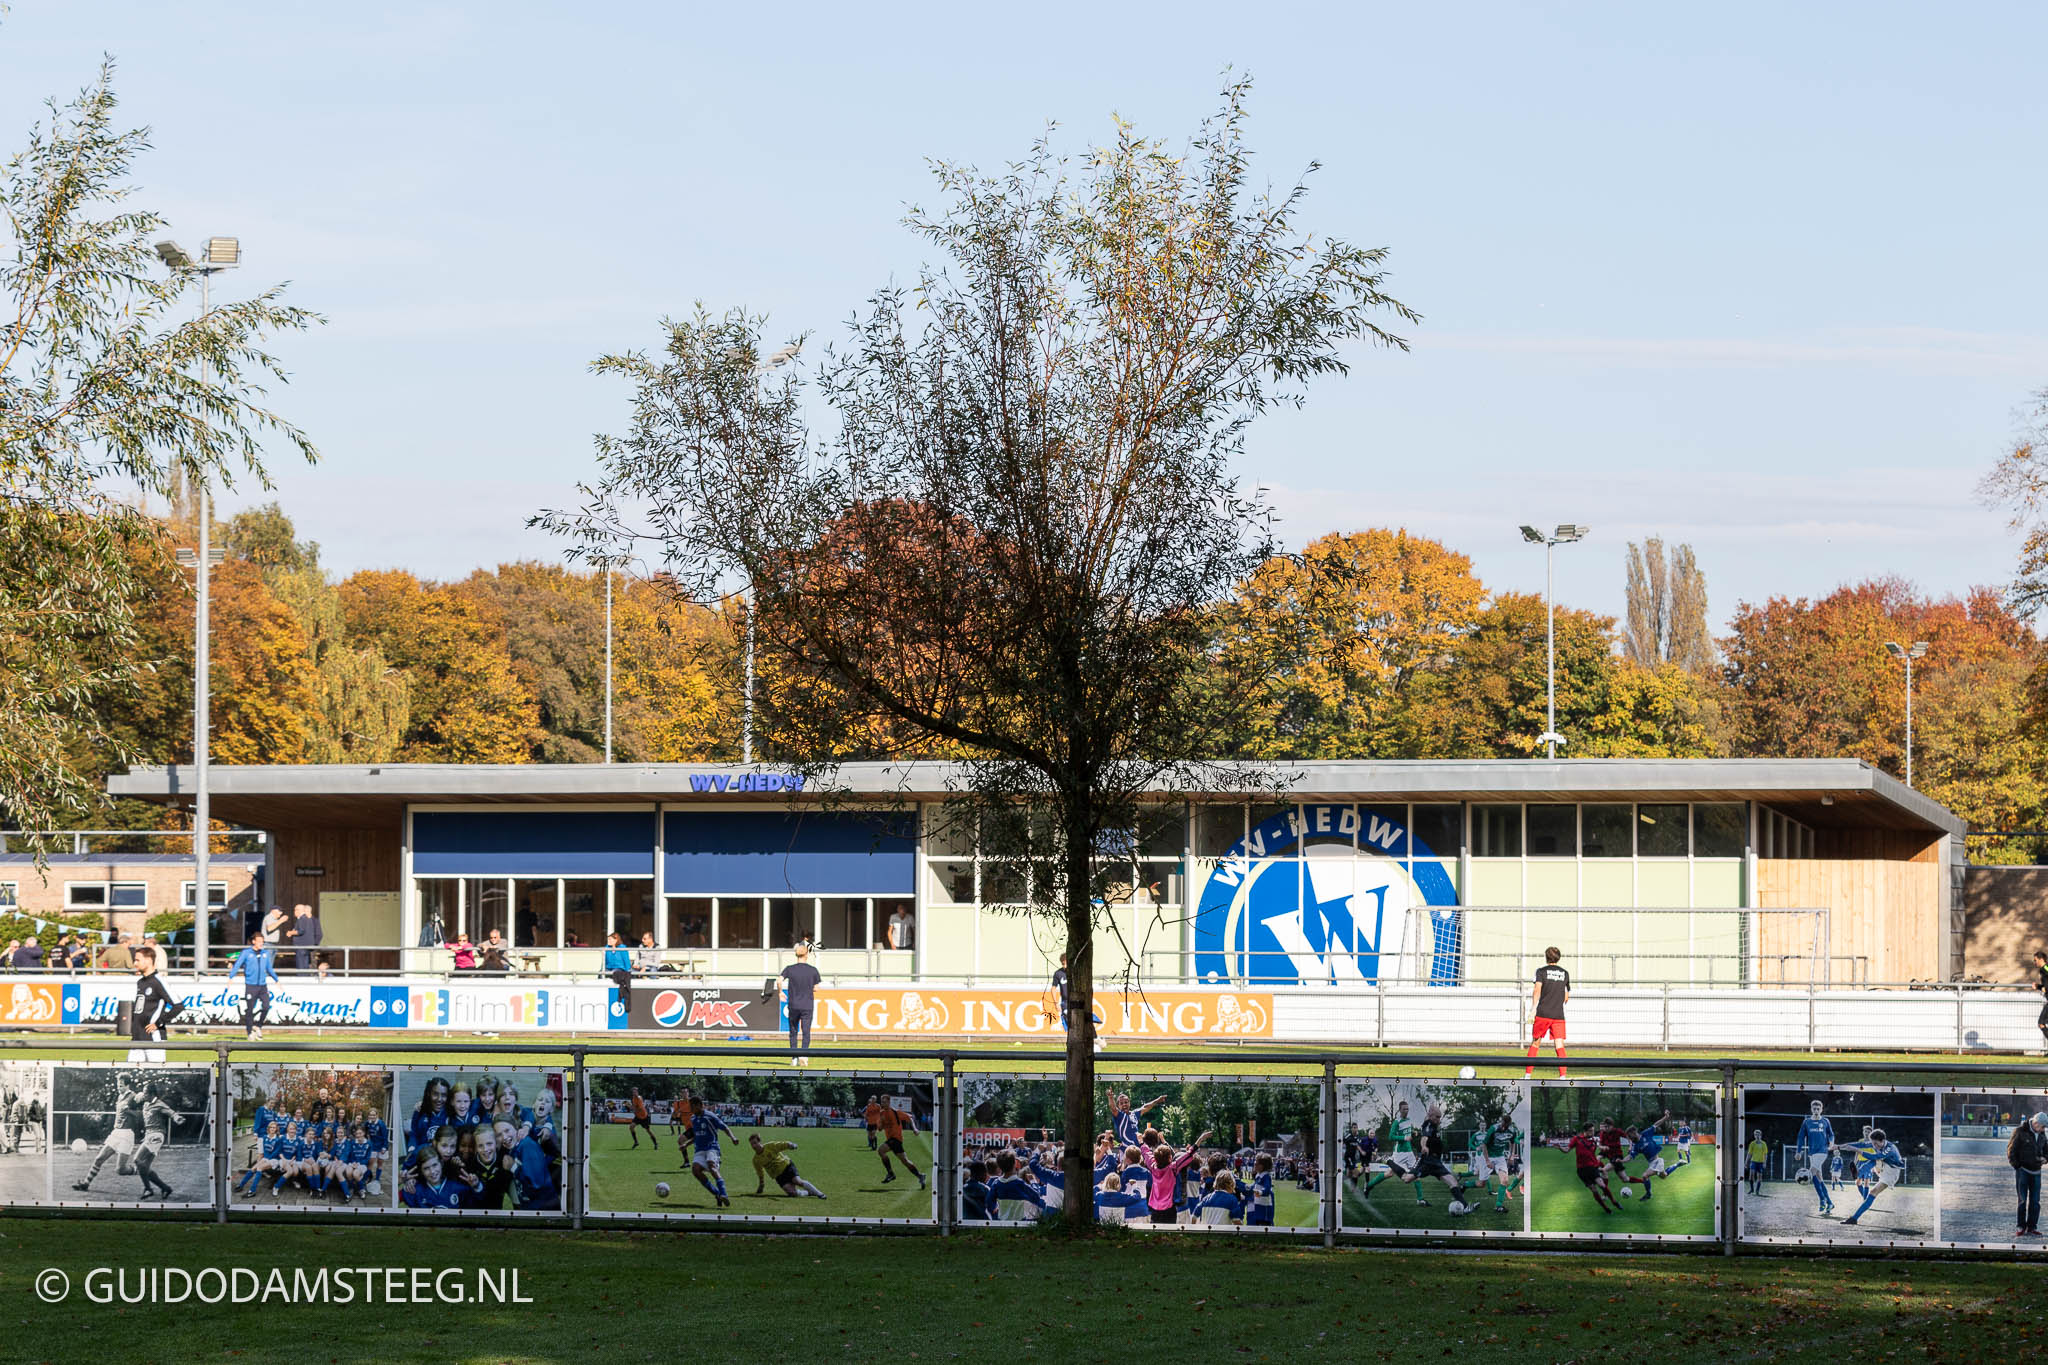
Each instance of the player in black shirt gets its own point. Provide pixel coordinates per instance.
(2041, 982)
(799, 999)
(154, 1007)
(1553, 988)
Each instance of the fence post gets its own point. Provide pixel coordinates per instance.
(1667, 1016)
(579, 1141)
(1811, 1033)
(224, 1134)
(1731, 1155)
(947, 1145)
(1961, 993)
(1380, 1021)
(1326, 1149)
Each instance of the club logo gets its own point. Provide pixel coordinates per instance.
(1322, 893)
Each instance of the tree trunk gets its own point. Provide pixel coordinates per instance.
(1079, 1162)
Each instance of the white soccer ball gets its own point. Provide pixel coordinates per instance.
(661, 1189)
(1459, 1210)
(1466, 1073)
(1628, 1192)
(78, 1146)
(1803, 1174)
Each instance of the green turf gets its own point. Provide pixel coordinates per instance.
(836, 1160)
(1681, 1204)
(612, 1295)
(1392, 1204)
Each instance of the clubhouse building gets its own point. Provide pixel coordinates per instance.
(1701, 872)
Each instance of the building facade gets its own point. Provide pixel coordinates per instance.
(1699, 872)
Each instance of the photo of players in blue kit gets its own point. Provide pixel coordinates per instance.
(483, 1142)
(1839, 1165)
(310, 1137)
(1616, 1159)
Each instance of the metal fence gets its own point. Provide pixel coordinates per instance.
(1728, 1097)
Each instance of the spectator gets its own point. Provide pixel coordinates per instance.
(647, 957)
(120, 957)
(7, 954)
(305, 935)
(29, 956)
(465, 953)
(900, 927)
(255, 965)
(81, 956)
(2025, 1151)
(618, 965)
(799, 999)
(494, 954)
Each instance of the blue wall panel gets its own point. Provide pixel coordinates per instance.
(533, 843)
(783, 853)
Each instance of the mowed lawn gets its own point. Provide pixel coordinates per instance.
(1681, 1204)
(836, 1160)
(1005, 1296)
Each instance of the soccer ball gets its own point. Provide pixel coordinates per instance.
(1628, 1192)
(1803, 1174)
(1467, 1073)
(661, 1189)
(78, 1146)
(1459, 1210)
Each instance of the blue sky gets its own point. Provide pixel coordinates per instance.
(1763, 278)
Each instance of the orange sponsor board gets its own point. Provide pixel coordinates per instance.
(26, 1002)
(1017, 1013)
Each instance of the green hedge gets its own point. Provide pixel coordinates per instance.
(170, 926)
(15, 925)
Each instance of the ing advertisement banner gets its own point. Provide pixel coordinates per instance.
(1133, 1016)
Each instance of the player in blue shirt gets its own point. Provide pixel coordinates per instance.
(705, 1127)
(353, 1153)
(1124, 1120)
(1052, 1180)
(291, 1155)
(1135, 1174)
(1114, 1203)
(1816, 1140)
(1683, 1138)
(263, 1160)
(1260, 1213)
(431, 1113)
(1649, 1145)
(1016, 1199)
(974, 1200)
(1880, 1165)
(1220, 1207)
(427, 1186)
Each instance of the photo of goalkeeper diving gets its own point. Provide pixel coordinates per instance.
(740, 1144)
(1450, 1156)
(1625, 1159)
(1840, 1165)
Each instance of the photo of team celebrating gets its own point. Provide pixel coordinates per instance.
(309, 1137)
(127, 1134)
(1619, 1160)
(762, 1144)
(487, 1141)
(1433, 1154)
(1838, 1165)
(24, 1132)
(1189, 1153)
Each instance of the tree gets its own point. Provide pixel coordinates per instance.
(1667, 609)
(1014, 539)
(1353, 623)
(2018, 485)
(100, 391)
(1490, 698)
(466, 703)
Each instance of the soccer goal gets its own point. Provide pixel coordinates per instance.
(1627, 946)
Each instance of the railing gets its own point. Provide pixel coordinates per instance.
(133, 840)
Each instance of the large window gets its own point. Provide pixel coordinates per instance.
(1496, 831)
(1610, 831)
(216, 899)
(1553, 831)
(633, 908)
(689, 922)
(106, 895)
(739, 923)
(1661, 832)
(586, 906)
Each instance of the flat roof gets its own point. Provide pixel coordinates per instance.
(1819, 791)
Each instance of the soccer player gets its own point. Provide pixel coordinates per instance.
(1114, 1203)
(894, 1120)
(428, 1186)
(154, 1008)
(1816, 1140)
(1552, 991)
(1124, 1120)
(1835, 1169)
(1649, 1145)
(122, 1137)
(1615, 1147)
(1221, 1207)
(264, 1160)
(158, 1119)
(1498, 1147)
(1402, 1159)
(1586, 1159)
(872, 1116)
(975, 1206)
(1683, 1139)
(1881, 1167)
(772, 1159)
(463, 1114)
(679, 1117)
(641, 1120)
(705, 1127)
(430, 1114)
(1759, 1153)
(1016, 1200)
(1260, 1214)
(353, 1154)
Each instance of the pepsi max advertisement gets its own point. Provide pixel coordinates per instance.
(703, 1009)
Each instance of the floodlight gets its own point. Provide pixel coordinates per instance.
(1532, 535)
(1919, 649)
(1893, 648)
(173, 255)
(1567, 532)
(222, 252)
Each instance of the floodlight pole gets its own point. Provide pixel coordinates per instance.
(607, 663)
(1906, 654)
(747, 716)
(1550, 644)
(202, 698)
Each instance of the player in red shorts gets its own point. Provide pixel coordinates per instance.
(1553, 989)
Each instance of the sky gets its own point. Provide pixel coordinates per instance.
(1761, 278)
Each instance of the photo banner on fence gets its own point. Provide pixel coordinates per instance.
(1433, 1157)
(131, 1135)
(1635, 1160)
(318, 1139)
(808, 1146)
(1839, 1165)
(1984, 1138)
(480, 1139)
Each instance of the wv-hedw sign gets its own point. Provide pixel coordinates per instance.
(1325, 893)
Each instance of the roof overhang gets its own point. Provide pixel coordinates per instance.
(1819, 791)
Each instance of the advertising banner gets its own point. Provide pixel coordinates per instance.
(480, 1140)
(1434, 1157)
(24, 1132)
(1132, 1017)
(32, 1002)
(1828, 1165)
(311, 1138)
(1625, 1159)
(810, 1146)
(131, 1135)
(703, 1010)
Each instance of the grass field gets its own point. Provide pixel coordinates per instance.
(836, 1160)
(616, 1295)
(1681, 1204)
(1392, 1204)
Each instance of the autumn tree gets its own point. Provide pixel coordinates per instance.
(1014, 535)
(2017, 485)
(1488, 698)
(1348, 626)
(103, 394)
(1667, 609)
(466, 705)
